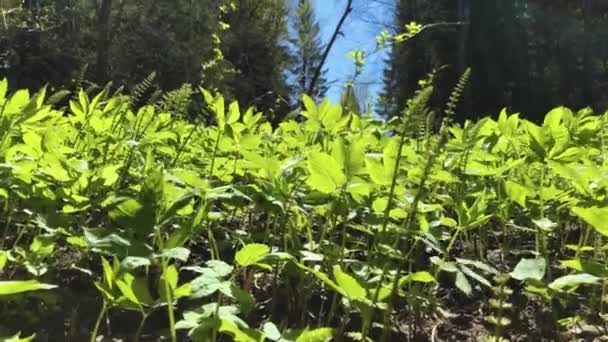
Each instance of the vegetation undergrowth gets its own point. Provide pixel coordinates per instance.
(328, 226)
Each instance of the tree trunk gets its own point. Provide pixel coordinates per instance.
(103, 40)
(587, 53)
(464, 9)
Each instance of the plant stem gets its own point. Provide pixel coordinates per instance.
(140, 328)
(102, 312)
(169, 295)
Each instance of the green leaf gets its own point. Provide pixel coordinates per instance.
(108, 273)
(271, 331)
(420, 277)
(376, 171)
(478, 264)
(183, 291)
(545, 224)
(233, 113)
(208, 283)
(530, 269)
(220, 112)
(475, 275)
(310, 106)
(15, 286)
(109, 174)
(131, 263)
(332, 117)
(596, 217)
(19, 99)
(323, 277)
(244, 298)
(238, 334)
(3, 89)
(135, 290)
(350, 285)
(462, 283)
(316, 335)
(3, 259)
(518, 193)
(573, 280)
(170, 276)
(326, 174)
(221, 268)
(250, 254)
(178, 253)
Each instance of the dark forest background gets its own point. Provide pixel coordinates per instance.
(526, 55)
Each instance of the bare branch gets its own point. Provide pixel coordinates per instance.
(337, 31)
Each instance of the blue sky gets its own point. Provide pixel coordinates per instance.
(360, 30)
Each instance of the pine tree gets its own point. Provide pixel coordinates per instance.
(308, 51)
(414, 59)
(256, 47)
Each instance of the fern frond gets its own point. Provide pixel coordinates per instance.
(177, 101)
(456, 95)
(417, 109)
(139, 92)
(79, 80)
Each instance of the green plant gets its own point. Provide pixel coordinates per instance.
(501, 306)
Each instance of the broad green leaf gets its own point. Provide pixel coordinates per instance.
(108, 273)
(530, 269)
(339, 153)
(135, 290)
(244, 298)
(310, 106)
(3, 89)
(3, 259)
(469, 272)
(554, 117)
(545, 224)
(131, 263)
(170, 276)
(209, 283)
(323, 277)
(332, 117)
(351, 287)
(239, 334)
(154, 192)
(221, 268)
(596, 217)
(183, 291)
(19, 100)
(326, 174)
(251, 254)
(233, 113)
(109, 174)
(220, 112)
(376, 171)
(419, 277)
(478, 264)
(573, 280)
(15, 286)
(271, 331)
(316, 335)
(518, 193)
(178, 253)
(462, 283)
(379, 205)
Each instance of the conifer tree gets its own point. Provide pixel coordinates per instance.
(308, 51)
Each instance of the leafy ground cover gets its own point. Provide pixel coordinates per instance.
(142, 226)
